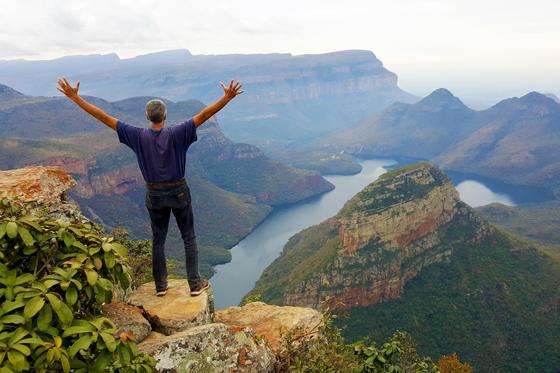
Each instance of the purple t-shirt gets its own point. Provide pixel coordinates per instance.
(161, 154)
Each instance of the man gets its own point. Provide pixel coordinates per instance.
(160, 152)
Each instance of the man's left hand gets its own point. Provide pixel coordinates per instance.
(65, 87)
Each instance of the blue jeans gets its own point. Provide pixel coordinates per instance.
(160, 204)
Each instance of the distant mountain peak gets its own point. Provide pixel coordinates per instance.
(536, 98)
(8, 93)
(442, 97)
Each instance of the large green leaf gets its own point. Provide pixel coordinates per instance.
(82, 343)
(109, 340)
(79, 329)
(45, 317)
(120, 249)
(91, 276)
(33, 306)
(26, 237)
(68, 238)
(109, 259)
(71, 295)
(12, 229)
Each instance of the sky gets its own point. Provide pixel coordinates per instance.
(480, 50)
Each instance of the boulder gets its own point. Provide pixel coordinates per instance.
(177, 310)
(210, 348)
(41, 188)
(272, 322)
(127, 319)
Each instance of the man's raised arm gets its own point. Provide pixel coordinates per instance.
(72, 93)
(230, 92)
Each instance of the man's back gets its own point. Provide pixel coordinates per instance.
(160, 153)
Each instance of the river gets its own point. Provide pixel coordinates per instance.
(254, 253)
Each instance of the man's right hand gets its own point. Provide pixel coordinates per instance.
(232, 90)
(65, 87)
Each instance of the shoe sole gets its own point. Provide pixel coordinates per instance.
(161, 293)
(198, 292)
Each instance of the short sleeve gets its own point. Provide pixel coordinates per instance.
(185, 134)
(128, 135)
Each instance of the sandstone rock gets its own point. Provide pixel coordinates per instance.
(127, 318)
(177, 310)
(210, 348)
(38, 185)
(272, 322)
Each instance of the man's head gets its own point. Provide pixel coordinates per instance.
(156, 112)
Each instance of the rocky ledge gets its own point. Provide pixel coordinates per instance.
(183, 333)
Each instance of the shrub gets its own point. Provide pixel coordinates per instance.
(452, 364)
(330, 353)
(54, 276)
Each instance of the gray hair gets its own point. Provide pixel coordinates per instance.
(156, 111)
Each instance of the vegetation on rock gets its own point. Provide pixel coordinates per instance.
(54, 276)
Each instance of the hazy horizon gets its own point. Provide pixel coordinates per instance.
(481, 51)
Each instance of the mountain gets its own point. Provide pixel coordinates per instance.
(515, 141)
(518, 142)
(234, 186)
(406, 253)
(420, 130)
(7, 93)
(288, 99)
(538, 221)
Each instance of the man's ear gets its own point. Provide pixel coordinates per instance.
(165, 116)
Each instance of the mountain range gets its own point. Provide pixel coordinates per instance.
(406, 253)
(516, 140)
(288, 99)
(234, 185)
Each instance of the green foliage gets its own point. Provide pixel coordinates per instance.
(398, 355)
(54, 276)
(329, 352)
(250, 299)
(493, 303)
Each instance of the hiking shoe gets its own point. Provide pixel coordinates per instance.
(199, 287)
(161, 293)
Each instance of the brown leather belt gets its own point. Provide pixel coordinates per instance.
(166, 184)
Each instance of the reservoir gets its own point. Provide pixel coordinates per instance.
(256, 251)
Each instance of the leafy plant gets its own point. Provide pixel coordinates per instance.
(54, 276)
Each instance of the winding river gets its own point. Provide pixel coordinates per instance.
(254, 253)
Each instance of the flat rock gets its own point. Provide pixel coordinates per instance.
(177, 310)
(210, 348)
(272, 322)
(38, 185)
(127, 319)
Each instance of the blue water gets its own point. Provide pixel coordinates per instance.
(254, 253)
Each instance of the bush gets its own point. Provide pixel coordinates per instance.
(330, 353)
(452, 364)
(54, 276)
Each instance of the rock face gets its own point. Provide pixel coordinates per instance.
(41, 187)
(128, 319)
(177, 310)
(382, 238)
(36, 185)
(210, 348)
(272, 322)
